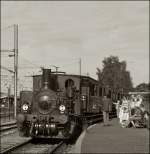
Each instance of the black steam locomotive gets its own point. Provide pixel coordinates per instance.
(58, 101)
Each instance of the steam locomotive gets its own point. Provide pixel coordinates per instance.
(58, 101)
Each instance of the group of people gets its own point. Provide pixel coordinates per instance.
(130, 110)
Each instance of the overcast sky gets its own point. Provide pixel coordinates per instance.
(59, 33)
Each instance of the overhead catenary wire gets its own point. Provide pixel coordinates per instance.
(33, 64)
(69, 64)
(6, 50)
(7, 27)
(5, 68)
(40, 66)
(7, 36)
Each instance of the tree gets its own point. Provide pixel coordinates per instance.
(114, 74)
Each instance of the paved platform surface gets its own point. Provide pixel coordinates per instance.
(115, 139)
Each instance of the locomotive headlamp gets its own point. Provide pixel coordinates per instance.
(62, 108)
(83, 97)
(25, 107)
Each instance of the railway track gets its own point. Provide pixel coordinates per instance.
(16, 144)
(7, 126)
(31, 147)
(7, 129)
(58, 148)
(13, 147)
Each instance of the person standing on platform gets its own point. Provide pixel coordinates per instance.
(138, 101)
(105, 109)
(124, 113)
(117, 107)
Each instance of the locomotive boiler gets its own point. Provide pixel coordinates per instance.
(44, 112)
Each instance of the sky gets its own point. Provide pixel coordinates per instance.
(59, 33)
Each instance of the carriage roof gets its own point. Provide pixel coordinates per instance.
(90, 79)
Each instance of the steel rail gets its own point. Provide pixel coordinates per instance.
(50, 150)
(55, 149)
(7, 151)
(8, 126)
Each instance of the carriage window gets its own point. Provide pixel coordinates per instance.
(69, 83)
(95, 90)
(114, 96)
(119, 96)
(109, 94)
(104, 92)
(92, 90)
(100, 91)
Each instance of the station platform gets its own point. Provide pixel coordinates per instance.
(115, 139)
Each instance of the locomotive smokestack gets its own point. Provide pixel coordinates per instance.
(46, 78)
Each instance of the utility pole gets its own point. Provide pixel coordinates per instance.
(56, 69)
(80, 84)
(80, 66)
(15, 67)
(8, 94)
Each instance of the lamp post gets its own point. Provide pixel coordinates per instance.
(15, 55)
(80, 66)
(15, 67)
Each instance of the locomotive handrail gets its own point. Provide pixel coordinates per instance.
(91, 116)
(86, 120)
(83, 116)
